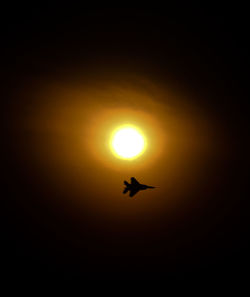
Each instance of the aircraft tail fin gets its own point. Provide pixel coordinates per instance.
(125, 190)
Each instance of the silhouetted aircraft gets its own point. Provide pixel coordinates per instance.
(134, 187)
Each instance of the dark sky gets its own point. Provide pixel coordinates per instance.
(193, 65)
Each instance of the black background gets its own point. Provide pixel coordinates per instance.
(203, 49)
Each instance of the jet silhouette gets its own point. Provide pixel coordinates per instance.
(134, 187)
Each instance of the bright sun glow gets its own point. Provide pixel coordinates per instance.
(128, 142)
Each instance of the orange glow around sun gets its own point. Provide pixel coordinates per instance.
(89, 138)
(125, 138)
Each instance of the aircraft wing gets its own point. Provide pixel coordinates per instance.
(134, 181)
(133, 192)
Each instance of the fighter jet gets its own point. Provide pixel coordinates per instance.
(134, 187)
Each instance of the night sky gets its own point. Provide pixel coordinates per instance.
(69, 76)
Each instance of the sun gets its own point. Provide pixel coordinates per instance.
(127, 142)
